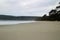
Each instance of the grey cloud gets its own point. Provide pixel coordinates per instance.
(36, 8)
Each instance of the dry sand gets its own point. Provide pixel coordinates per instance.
(43, 30)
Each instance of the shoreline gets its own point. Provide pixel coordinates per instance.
(14, 22)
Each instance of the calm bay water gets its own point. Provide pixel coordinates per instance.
(13, 22)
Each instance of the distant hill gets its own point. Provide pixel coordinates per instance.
(8, 17)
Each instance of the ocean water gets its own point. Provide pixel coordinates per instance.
(13, 22)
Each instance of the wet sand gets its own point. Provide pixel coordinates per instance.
(43, 30)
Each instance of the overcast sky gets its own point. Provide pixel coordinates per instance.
(27, 7)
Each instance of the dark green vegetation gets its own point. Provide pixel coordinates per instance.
(54, 15)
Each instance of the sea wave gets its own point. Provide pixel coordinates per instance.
(13, 22)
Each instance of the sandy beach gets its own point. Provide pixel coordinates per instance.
(41, 30)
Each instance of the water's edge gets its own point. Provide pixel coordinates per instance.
(14, 22)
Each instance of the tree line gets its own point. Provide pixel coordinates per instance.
(54, 15)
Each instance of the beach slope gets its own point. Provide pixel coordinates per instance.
(41, 30)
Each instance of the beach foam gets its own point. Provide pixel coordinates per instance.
(14, 22)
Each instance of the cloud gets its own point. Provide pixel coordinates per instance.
(27, 7)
